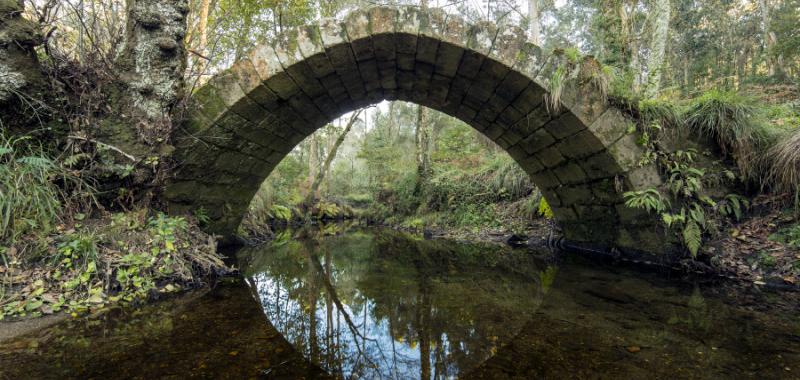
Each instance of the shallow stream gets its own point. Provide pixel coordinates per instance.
(374, 304)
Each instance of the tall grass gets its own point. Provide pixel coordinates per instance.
(34, 189)
(735, 123)
(784, 171)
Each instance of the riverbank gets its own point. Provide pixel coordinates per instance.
(763, 249)
(108, 259)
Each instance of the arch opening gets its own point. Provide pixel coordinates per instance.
(579, 153)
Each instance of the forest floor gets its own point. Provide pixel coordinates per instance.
(764, 248)
(108, 259)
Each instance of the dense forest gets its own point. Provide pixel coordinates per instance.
(87, 116)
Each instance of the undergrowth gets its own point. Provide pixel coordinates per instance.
(737, 127)
(125, 258)
(36, 191)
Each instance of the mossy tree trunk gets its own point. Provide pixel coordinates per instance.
(22, 82)
(151, 72)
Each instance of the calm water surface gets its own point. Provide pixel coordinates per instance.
(378, 304)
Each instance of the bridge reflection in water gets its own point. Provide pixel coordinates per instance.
(386, 306)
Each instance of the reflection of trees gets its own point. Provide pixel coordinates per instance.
(387, 306)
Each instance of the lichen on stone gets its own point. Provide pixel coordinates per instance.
(10, 81)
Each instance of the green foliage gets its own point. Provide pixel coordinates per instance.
(328, 210)
(544, 209)
(34, 189)
(201, 214)
(732, 205)
(649, 199)
(281, 213)
(577, 70)
(76, 251)
(692, 237)
(735, 123)
(693, 213)
(789, 235)
(124, 260)
(762, 259)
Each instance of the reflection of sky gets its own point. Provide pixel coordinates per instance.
(369, 353)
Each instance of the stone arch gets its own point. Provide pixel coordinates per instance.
(246, 119)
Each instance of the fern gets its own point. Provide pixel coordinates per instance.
(36, 162)
(281, 213)
(650, 200)
(75, 158)
(692, 237)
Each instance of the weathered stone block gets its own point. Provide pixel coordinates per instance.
(580, 145)
(565, 125)
(550, 196)
(545, 180)
(481, 36)
(600, 165)
(605, 191)
(564, 213)
(448, 57)
(643, 178)
(531, 165)
(610, 126)
(571, 195)
(626, 152)
(633, 216)
(550, 157)
(570, 173)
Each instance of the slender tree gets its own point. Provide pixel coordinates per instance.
(660, 15)
(534, 22)
(312, 192)
(423, 140)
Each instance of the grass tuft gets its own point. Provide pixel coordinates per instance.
(34, 189)
(784, 172)
(735, 124)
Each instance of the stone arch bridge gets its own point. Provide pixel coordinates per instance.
(246, 119)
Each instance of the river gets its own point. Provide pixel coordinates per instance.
(374, 303)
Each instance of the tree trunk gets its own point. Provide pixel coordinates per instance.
(152, 66)
(660, 18)
(312, 192)
(763, 8)
(392, 125)
(635, 67)
(202, 27)
(23, 86)
(534, 22)
(313, 165)
(422, 138)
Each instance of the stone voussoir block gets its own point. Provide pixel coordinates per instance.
(570, 173)
(571, 195)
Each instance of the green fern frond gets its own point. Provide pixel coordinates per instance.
(692, 237)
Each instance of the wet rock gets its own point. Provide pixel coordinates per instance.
(515, 240)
